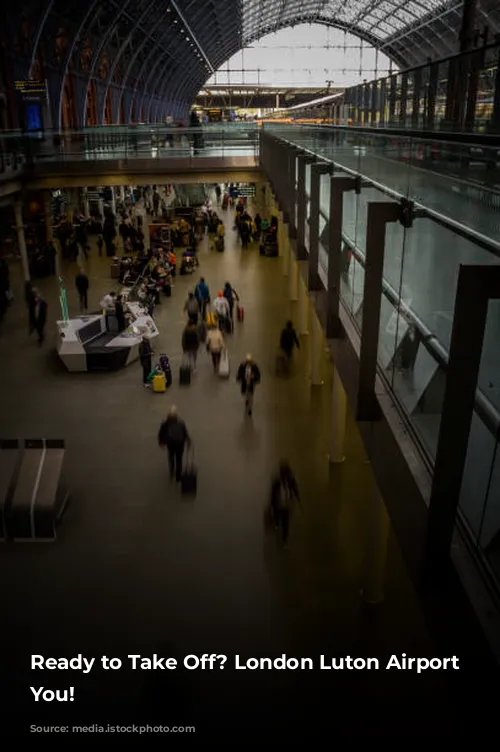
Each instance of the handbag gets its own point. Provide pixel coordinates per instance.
(224, 367)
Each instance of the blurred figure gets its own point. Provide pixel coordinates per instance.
(215, 346)
(174, 436)
(145, 355)
(231, 295)
(192, 308)
(40, 316)
(221, 310)
(82, 285)
(202, 295)
(191, 342)
(249, 376)
(289, 340)
(284, 491)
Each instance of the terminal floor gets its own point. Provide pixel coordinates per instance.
(137, 569)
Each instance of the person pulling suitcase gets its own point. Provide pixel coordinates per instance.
(174, 435)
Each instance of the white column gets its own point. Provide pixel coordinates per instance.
(339, 416)
(122, 193)
(21, 240)
(316, 348)
(113, 200)
(101, 207)
(376, 549)
(293, 278)
(303, 306)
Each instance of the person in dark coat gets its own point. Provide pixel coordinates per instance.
(40, 316)
(284, 491)
(174, 436)
(231, 295)
(82, 285)
(289, 340)
(191, 342)
(145, 355)
(120, 314)
(249, 376)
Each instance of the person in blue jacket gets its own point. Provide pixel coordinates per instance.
(202, 295)
(231, 295)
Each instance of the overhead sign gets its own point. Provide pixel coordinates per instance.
(31, 88)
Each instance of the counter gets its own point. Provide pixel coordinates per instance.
(85, 344)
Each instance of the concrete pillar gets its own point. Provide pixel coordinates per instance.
(376, 549)
(293, 279)
(303, 307)
(86, 204)
(339, 416)
(122, 193)
(21, 240)
(317, 347)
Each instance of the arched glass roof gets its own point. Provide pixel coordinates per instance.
(163, 51)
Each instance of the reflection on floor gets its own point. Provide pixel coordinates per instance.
(138, 570)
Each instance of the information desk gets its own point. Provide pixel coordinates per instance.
(85, 344)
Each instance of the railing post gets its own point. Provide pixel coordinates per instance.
(378, 215)
(338, 186)
(317, 170)
(476, 286)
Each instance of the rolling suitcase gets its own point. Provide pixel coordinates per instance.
(189, 477)
(224, 367)
(240, 313)
(219, 245)
(159, 383)
(184, 375)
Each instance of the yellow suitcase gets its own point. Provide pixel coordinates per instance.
(159, 383)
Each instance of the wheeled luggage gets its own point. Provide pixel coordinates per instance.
(159, 383)
(184, 375)
(219, 245)
(240, 313)
(165, 367)
(224, 367)
(282, 365)
(189, 478)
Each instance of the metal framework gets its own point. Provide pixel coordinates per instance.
(150, 58)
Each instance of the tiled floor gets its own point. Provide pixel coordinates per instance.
(139, 570)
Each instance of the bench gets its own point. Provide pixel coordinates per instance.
(9, 466)
(39, 499)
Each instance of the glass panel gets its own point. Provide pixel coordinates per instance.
(489, 538)
(393, 325)
(324, 194)
(489, 371)
(308, 180)
(476, 479)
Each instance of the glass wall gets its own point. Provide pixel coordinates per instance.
(420, 274)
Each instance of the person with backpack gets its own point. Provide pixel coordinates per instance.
(192, 308)
(231, 295)
(284, 492)
(289, 340)
(202, 295)
(174, 436)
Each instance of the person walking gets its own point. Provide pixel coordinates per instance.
(284, 492)
(192, 308)
(215, 346)
(289, 340)
(174, 436)
(145, 355)
(221, 309)
(191, 343)
(82, 285)
(202, 295)
(249, 376)
(40, 314)
(231, 295)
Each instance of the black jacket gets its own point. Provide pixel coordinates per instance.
(289, 340)
(190, 339)
(145, 351)
(82, 283)
(277, 483)
(254, 378)
(173, 433)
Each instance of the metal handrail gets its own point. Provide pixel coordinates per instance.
(483, 407)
